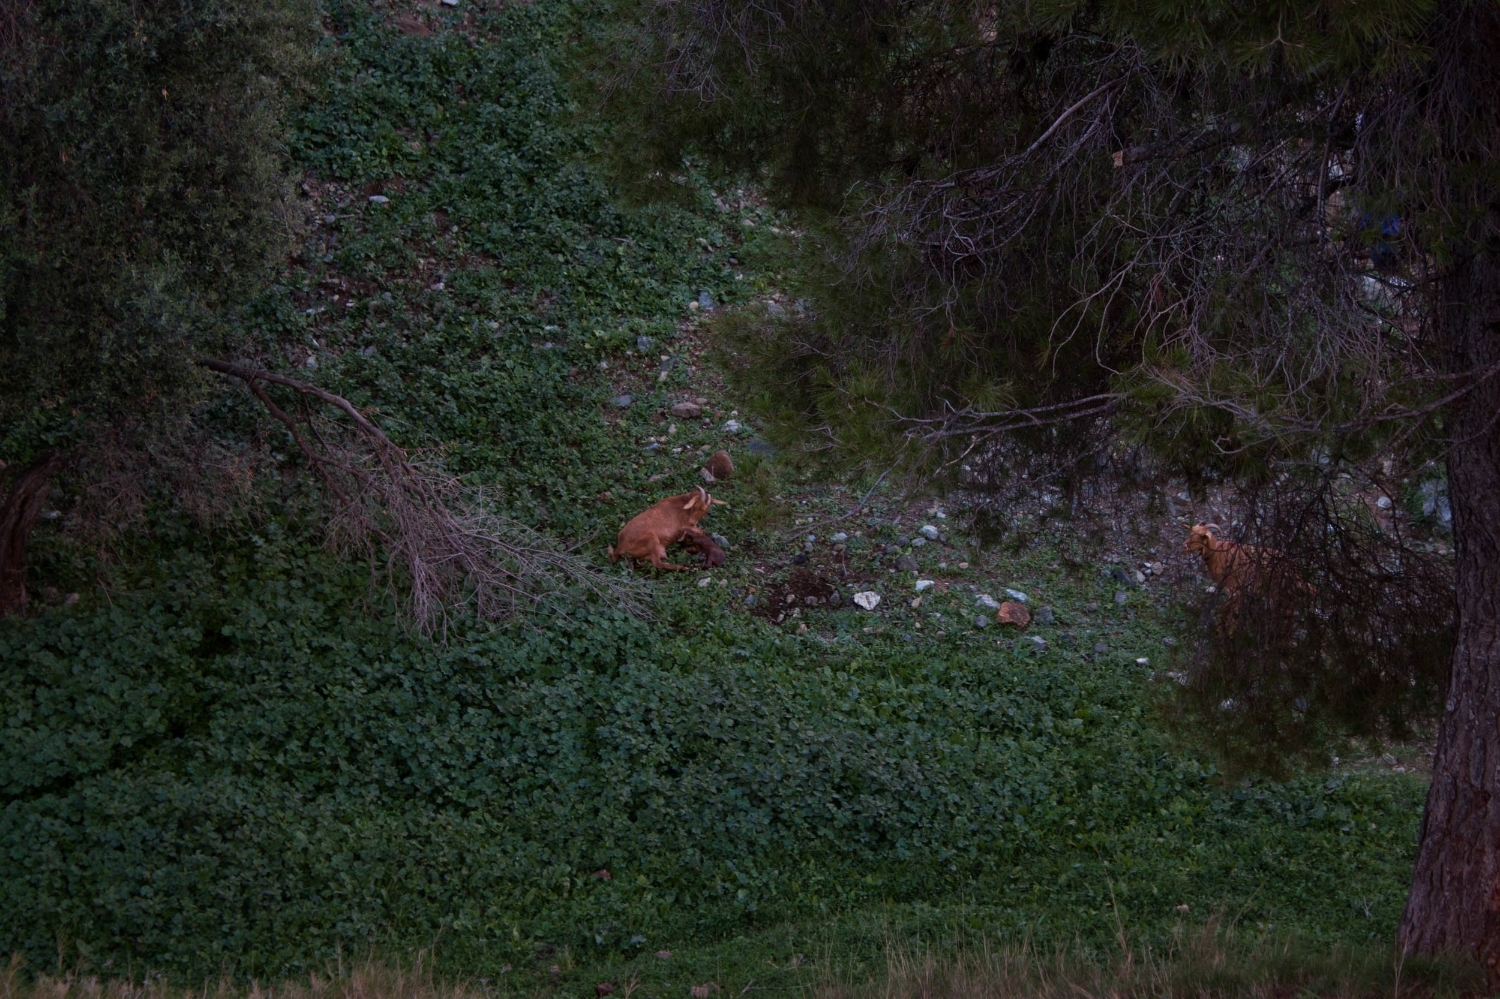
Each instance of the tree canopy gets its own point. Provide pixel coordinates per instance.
(1262, 239)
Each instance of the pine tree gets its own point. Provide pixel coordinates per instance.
(1262, 237)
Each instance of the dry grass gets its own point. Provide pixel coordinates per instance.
(1200, 963)
(1207, 962)
(372, 980)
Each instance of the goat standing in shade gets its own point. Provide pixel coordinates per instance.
(1237, 568)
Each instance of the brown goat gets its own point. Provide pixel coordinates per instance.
(675, 519)
(1237, 568)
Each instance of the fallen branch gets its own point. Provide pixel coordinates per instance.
(451, 550)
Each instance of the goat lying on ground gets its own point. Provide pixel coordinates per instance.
(1238, 568)
(674, 520)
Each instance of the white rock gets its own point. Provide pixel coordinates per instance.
(379, 199)
(985, 600)
(705, 581)
(923, 584)
(918, 542)
(1143, 661)
(868, 599)
(929, 532)
(732, 426)
(839, 538)
(1016, 595)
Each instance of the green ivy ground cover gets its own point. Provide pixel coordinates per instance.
(238, 765)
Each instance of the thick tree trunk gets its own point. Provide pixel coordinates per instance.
(21, 496)
(1454, 906)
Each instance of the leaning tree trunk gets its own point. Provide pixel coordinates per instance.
(21, 496)
(1454, 905)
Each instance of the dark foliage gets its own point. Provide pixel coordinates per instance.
(141, 194)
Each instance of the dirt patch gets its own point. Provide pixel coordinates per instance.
(803, 591)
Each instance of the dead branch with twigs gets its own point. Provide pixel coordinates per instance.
(440, 543)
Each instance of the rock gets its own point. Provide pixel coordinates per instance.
(982, 621)
(720, 540)
(835, 599)
(750, 600)
(1016, 595)
(652, 448)
(1036, 642)
(1143, 661)
(903, 541)
(1044, 615)
(368, 351)
(906, 564)
(1013, 613)
(705, 581)
(1121, 596)
(839, 538)
(733, 426)
(1387, 760)
(622, 401)
(644, 343)
(800, 558)
(774, 310)
(985, 600)
(687, 410)
(1300, 704)
(705, 300)
(1119, 575)
(1140, 578)
(929, 532)
(720, 465)
(811, 538)
(706, 475)
(379, 199)
(70, 600)
(867, 599)
(918, 542)
(923, 584)
(1100, 648)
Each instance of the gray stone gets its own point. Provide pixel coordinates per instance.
(706, 476)
(732, 426)
(834, 599)
(379, 199)
(918, 542)
(903, 541)
(981, 620)
(774, 310)
(705, 300)
(687, 410)
(985, 600)
(644, 343)
(1036, 642)
(720, 540)
(906, 564)
(839, 538)
(929, 532)
(622, 401)
(1121, 596)
(1044, 615)
(1100, 648)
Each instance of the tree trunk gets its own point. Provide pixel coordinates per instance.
(21, 496)
(1454, 906)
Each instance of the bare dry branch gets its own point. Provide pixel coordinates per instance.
(442, 542)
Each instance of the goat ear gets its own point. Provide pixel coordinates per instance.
(692, 501)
